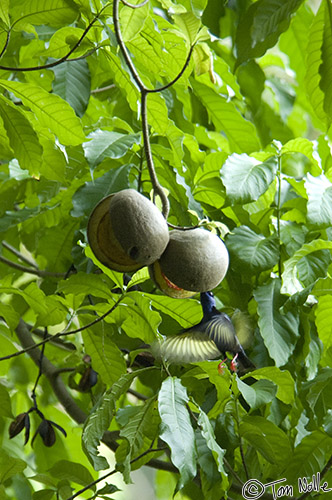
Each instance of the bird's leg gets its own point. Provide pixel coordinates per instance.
(221, 366)
(234, 363)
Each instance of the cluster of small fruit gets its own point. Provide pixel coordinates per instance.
(126, 232)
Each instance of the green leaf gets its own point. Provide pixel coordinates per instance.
(210, 439)
(281, 378)
(107, 359)
(72, 82)
(319, 206)
(43, 495)
(87, 197)
(267, 438)
(240, 133)
(104, 144)
(22, 137)
(258, 394)
(261, 26)
(101, 417)
(188, 25)
(309, 456)
(82, 283)
(186, 312)
(323, 313)
(176, 429)
(116, 277)
(246, 178)
(5, 404)
(72, 471)
(326, 57)
(51, 12)
(314, 62)
(138, 319)
(319, 395)
(278, 331)
(132, 20)
(251, 252)
(52, 111)
(290, 279)
(10, 466)
(4, 11)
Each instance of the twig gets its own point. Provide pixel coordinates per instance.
(138, 6)
(157, 188)
(64, 58)
(146, 452)
(63, 333)
(103, 89)
(169, 84)
(18, 254)
(24, 269)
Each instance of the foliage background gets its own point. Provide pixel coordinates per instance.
(243, 139)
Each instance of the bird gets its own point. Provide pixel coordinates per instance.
(211, 338)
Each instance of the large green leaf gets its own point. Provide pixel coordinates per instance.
(64, 469)
(246, 178)
(309, 457)
(319, 207)
(72, 82)
(132, 20)
(51, 12)
(176, 429)
(261, 26)
(314, 62)
(258, 394)
(290, 276)
(100, 419)
(267, 438)
(278, 331)
(323, 320)
(104, 144)
(251, 252)
(87, 196)
(9, 466)
(240, 133)
(22, 137)
(186, 312)
(107, 359)
(52, 111)
(281, 378)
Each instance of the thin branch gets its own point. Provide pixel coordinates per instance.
(278, 213)
(64, 58)
(18, 254)
(138, 6)
(123, 48)
(24, 269)
(63, 333)
(157, 188)
(146, 452)
(6, 44)
(186, 64)
(103, 89)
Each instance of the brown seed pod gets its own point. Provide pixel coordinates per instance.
(194, 261)
(126, 231)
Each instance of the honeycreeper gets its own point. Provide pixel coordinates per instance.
(211, 338)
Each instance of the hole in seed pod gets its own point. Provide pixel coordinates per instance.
(133, 253)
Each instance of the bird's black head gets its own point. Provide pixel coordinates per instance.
(208, 303)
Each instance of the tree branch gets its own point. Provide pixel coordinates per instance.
(64, 58)
(18, 254)
(24, 269)
(51, 372)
